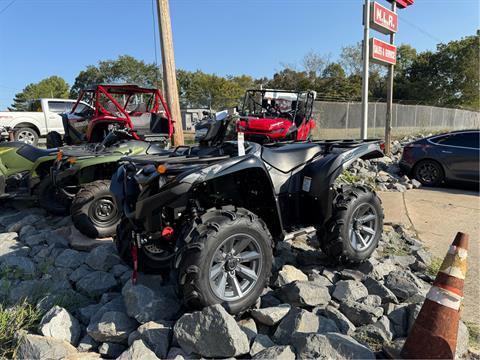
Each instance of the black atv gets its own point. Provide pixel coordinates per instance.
(215, 219)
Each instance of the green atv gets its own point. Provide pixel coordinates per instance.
(83, 178)
(22, 167)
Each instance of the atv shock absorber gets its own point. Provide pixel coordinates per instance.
(135, 263)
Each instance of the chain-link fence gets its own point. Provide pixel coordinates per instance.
(343, 120)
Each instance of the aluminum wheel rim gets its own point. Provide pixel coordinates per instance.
(235, 267)
(26, 136)
(155, 252)
(428, 173)
(103, 212)
(363, 226)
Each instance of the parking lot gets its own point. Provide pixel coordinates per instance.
(436, 215)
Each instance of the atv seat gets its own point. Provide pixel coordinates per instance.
(288, 157)
(31, 152)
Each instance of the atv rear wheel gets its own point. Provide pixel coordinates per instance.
(224, 258)
(152, 259)
(356, 225)
(94, 210)
(52, 199)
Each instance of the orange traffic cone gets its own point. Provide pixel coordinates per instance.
(434, 334)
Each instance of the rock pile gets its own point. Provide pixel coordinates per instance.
(382, 174)
(312, 309)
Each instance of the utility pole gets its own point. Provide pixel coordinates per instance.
(388, 121)
(366, 65)
(169, 71)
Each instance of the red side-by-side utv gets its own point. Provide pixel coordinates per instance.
(276, 115)
(102, 106)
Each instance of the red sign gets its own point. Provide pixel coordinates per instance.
(403, 3)
(382, 19)
(382, 52)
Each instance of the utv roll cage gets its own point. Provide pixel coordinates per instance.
(119, 97)
(301, 103)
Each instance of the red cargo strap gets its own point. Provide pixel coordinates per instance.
(135, 264)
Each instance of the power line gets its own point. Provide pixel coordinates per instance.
(423, 31)
(6, 7)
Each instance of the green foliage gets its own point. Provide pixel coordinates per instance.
(473, 335)
(52, 87)
(125, 69)
(434, 266)
(198, 89)
(22, 316)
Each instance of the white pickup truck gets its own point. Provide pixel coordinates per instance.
(44, 115)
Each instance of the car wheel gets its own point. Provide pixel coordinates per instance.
(225, 258)
(26, 135)
(356, 225)
(94, 210)
(153, 258)
(429, 173)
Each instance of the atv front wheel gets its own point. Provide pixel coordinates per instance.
(225, 257)
(152, 258)
(356, 225)
(94, 210)
(52, 199)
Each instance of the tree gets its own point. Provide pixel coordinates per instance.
(198, 89)
(51, 87)
(314, 63)
(125, 69)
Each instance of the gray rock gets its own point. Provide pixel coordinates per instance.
(423, 256)
(211, 332)
(111, 350)
(116, 305)
(24, 221)
(271, 315)
(276, 352)
(360, 314)
(330, 275)
(413, 311)
(374, 287)
(80, 272)
(18, 263)
(260, 343)
(394, 348)
(84, 314)
(373, 336)
(78, 241)
(157, 336)
(119, 269)
(249, 327)
(9, 245)
(289, 274)
(87, 344)
(59, 324)
(96, 283)
(26, 230)
(416, 184)
(70, 258)
(404, 260)
(344, 325)
(330, 346)
(349, 290)
(103, 257)
(402, 283)
(399, 321)
(138, 351)
(30, 290)
(349, 274)
(175, 353)
(384, 324)
(372, 300)
(113, 326)
(41, 347)
(146, 304)
(304, 293)
(301, 321)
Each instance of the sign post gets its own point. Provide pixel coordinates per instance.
(388, 120)
(366, 65)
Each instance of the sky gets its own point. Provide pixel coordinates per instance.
(40, 38)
